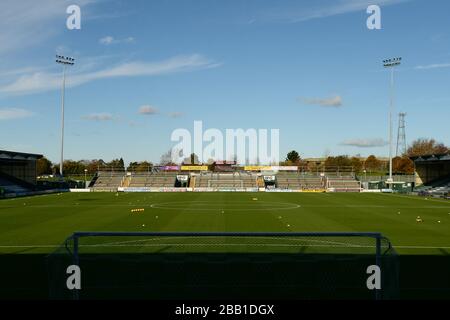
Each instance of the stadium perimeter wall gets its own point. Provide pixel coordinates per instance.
(165, 189)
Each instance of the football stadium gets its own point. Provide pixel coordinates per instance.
(260, 228)
(336, 203)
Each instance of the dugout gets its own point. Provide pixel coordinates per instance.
(18, 168)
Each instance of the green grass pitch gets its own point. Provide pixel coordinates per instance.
(38, 225)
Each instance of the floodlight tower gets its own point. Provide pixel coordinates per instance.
(65, 61)
(391, 63)
(401, 134)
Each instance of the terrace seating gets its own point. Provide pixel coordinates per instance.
(202, 180)
(296, 181)
(225, 180)
(108, 181)
(344, 184)
(439, 187)
(441, 190)
(11, 187)
(153, 180)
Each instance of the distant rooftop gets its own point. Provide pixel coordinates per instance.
(432, 157)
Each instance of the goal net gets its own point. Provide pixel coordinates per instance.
(223, 266)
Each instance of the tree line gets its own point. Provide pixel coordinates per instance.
(71, 167)
(402, 164)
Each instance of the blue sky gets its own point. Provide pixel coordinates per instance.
(144, 68)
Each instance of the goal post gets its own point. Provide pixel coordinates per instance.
(177, 265)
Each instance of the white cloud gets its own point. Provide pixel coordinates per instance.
(365, 143)
(433, 66)
(19, 71)
(335, 101)
(335, 7)
(109, 40)
(98, 117)
(148, 110)
(44, 81)
(14, 113)
(26, 23)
